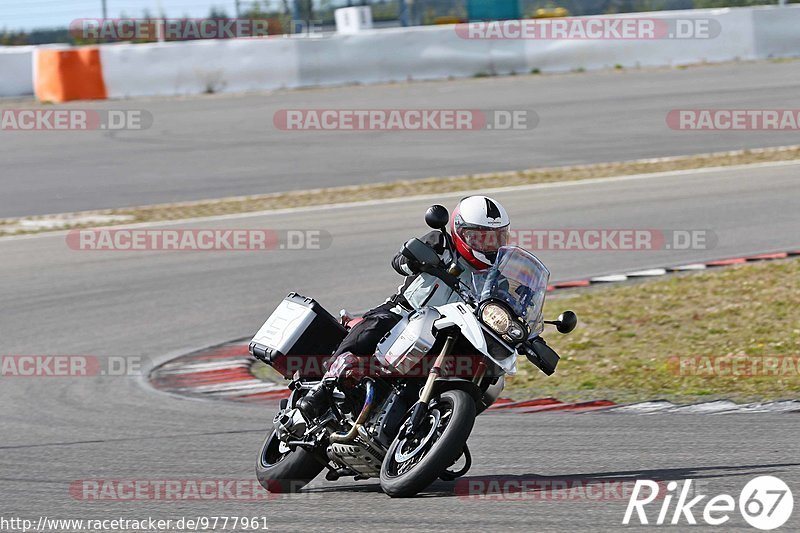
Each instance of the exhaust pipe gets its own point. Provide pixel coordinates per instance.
(343, 438)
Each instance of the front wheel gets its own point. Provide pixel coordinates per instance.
(280, 469)
(414, 462)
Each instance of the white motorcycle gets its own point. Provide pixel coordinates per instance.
(408, 420)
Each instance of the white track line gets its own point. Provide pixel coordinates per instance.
(647, 273)
(191, 368)
(612, 278)
(232, 386)
(693, 266)
(409, 199)
(718, 407)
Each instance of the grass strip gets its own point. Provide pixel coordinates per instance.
(394, 189)
(732, 332)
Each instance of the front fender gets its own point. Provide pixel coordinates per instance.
(446, 384)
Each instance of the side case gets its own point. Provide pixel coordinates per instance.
(297, 336)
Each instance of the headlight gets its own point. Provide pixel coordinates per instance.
(496, 317)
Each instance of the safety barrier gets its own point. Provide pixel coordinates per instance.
(16, 70)
(396, 54)
(62, 74)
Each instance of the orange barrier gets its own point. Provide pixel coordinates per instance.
(70, 74)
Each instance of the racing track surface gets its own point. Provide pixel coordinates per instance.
(215, 146)
(59, 301)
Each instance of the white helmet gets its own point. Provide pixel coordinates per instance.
(480, 227)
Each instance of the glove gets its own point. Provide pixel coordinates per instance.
(412, 267)
(541, 355)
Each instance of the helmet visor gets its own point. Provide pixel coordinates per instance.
(485, 240)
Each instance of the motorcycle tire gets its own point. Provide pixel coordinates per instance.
(443, 452)
(285, 472)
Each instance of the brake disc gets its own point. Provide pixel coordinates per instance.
(402, 457)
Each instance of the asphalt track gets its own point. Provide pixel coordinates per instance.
(152, 304)
(221, 145)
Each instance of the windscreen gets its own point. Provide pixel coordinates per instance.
(519, 279)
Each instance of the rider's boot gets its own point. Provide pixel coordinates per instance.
(315, 402)
(345, 370)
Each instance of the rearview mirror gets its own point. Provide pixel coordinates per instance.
(420, 252)
(437, 216)
(566, 322)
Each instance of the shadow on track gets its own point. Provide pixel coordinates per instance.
(533, 484)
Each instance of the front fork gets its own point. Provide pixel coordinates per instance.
(421, 407)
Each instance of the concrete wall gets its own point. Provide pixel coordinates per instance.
(231, 65)
(734, 41)
(431, 52)
(16, 70)
(776, 32)
(419, 53)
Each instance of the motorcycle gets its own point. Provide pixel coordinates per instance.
(407, 419)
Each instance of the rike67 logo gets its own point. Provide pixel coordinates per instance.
(765, 503)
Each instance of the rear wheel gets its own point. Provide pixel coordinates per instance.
(412, 463)
(279, 469)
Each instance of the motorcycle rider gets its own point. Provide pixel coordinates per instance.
(478, 228)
